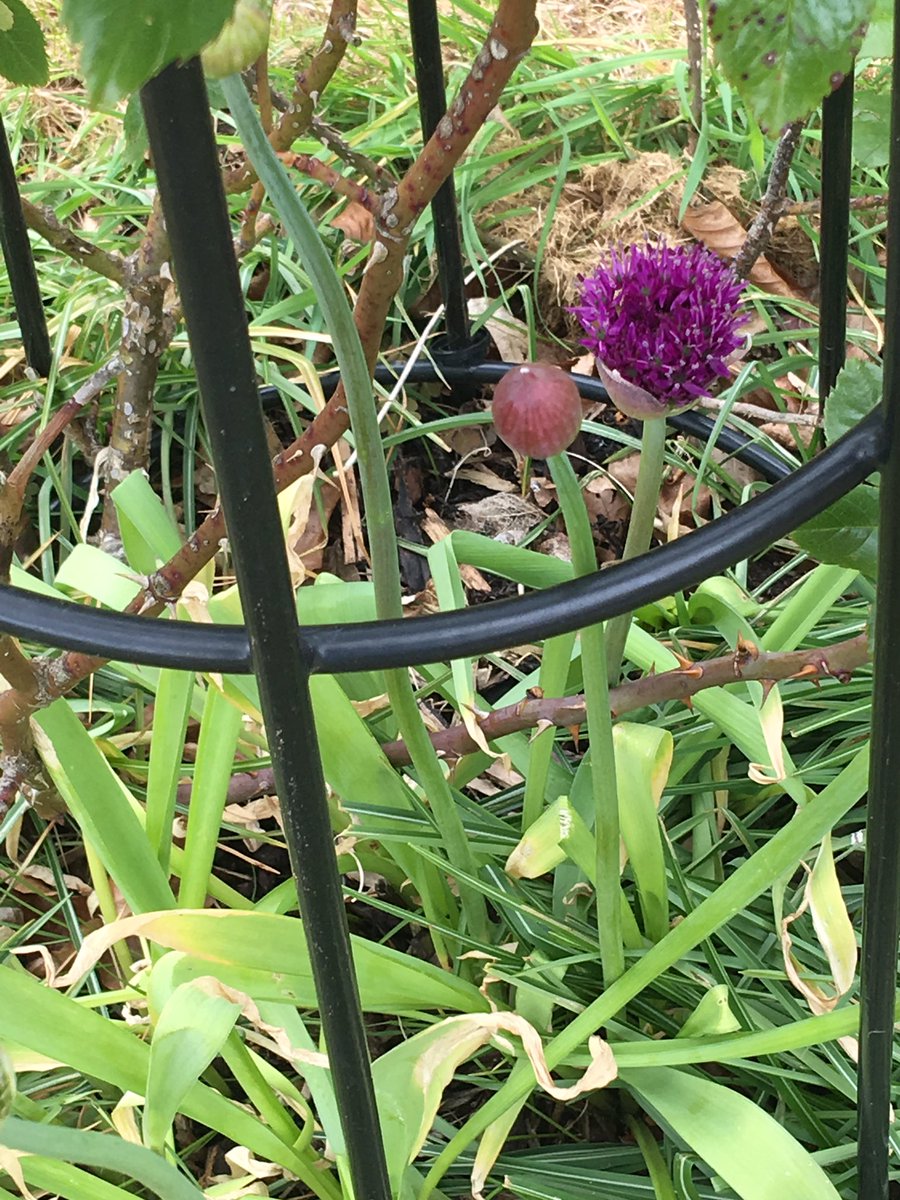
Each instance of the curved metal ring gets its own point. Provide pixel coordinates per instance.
(377, 645)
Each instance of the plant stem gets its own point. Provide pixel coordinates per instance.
(640, 529)
(355, 378)
(555, 664)
(599, 725)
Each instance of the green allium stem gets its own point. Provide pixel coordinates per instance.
(555, 663)
(599, 725)
(640, 529)
(357, 386)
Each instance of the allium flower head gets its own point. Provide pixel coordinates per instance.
(662, 321)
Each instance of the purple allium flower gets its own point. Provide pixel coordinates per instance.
(662, 321)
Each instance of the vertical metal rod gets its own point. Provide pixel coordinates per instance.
(881, 894)
(20, 265)
(184, 152)
(837, 134)
(426, 47)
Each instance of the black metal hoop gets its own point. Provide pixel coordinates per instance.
(375, 645)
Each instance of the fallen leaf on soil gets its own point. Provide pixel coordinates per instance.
(509, 334)
(486, 478)
(719, 229)
(504, 516)
(675, 509)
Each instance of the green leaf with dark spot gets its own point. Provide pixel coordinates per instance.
(123, 45)
(846, 534)
(784, 56)
(23, 58)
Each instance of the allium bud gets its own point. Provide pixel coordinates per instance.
(537, 409)
(661, 321)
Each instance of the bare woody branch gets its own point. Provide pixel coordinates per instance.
(43, 220)
(836, 662)
(759, 235)
(748, 663)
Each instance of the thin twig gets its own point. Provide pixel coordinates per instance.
(803, 208)
(694, 31)
(759, 235)
(838, 661)
(332, 179)
(758, 413)
(378, 176)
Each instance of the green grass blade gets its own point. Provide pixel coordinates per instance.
(174, 693)
(101, 806)
(219, 732)
(103, 1151)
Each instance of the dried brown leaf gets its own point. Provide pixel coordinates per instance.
(719, 229)
(355, 222)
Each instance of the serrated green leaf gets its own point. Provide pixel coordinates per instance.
(856, 393)
(784, 56)
(23, 57)
(846, 534)
(122, 45)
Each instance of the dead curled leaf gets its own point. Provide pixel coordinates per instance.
(611, 503)
(834, 932)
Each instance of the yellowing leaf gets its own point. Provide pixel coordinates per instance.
(411, 1079)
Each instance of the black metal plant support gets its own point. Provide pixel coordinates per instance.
(881, 892)
(426, 46)
(20, 265)
(282, 656)
(179, 125)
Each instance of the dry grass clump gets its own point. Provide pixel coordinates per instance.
(610, 203)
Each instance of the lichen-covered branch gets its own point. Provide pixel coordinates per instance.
(306, 164)
(803, 208)
(44, 221)
(759, 235)
(147, 329)
(340, 31)
(694, 30)
(378, 176)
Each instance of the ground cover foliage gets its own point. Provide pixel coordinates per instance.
(156, 996)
